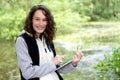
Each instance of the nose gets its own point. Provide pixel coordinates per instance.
(41, 22)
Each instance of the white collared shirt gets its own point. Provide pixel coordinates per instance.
(45, 56)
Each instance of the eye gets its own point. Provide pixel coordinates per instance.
(37, 19)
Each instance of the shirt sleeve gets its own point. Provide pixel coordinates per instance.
(25, 62)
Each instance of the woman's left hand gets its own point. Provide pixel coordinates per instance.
(76, 58)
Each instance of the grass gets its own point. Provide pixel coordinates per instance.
(7, 58)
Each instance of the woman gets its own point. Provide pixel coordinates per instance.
(35, 50)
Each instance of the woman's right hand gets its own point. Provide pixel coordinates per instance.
(57, 59)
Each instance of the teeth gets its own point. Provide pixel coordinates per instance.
(40, 28)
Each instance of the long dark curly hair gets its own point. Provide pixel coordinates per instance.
(50, 30)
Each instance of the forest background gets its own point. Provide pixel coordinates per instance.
(90, 22)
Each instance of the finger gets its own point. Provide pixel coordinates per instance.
(78, 54)
(60, 61)
(60, 56)
(75, 58)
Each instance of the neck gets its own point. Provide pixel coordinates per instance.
(37, 35)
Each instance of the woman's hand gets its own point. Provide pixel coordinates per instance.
(58, 59)
(76, 58)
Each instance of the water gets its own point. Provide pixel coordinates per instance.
(86, 65)
(91, 57)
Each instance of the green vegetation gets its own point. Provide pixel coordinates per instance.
(68, 14)
(92, 22)
(100, 34)
(7, 59)
(111, 65)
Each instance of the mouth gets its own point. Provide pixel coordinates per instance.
(40, 28)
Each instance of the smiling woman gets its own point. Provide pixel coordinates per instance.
(39, 17)
(35, 50)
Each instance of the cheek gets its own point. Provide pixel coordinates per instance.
(46, 23)
(33, 22)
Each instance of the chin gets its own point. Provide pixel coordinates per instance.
(40, 32)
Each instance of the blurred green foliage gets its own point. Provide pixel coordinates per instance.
(110, 65)
(68, 14)
(7, 59)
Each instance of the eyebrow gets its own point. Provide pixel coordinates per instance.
(39, 17)
(36, 17)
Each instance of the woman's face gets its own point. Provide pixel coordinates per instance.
(39, 22)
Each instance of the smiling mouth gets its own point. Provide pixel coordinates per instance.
(40, 28)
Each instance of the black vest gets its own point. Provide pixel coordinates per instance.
(32, 49)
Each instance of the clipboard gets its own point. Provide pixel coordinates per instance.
(70, 61)
(65, 64)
